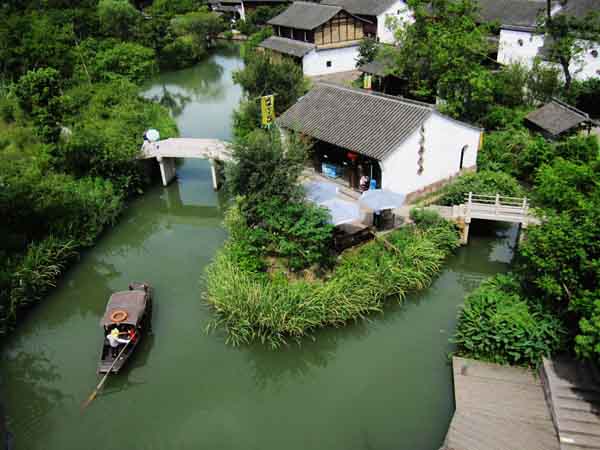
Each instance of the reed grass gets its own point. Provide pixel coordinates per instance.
(273, 310)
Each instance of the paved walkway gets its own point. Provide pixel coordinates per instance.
(341, 78)
(498, 408)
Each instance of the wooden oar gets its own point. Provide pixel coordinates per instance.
(94, 394)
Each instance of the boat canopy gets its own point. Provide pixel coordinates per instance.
(132, 302)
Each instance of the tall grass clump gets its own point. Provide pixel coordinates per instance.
(498, 325)
(274, 309)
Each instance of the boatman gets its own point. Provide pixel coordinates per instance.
(114, 341)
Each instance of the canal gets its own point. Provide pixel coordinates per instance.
(381, 384)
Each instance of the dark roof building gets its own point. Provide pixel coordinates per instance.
(287, 46)
(371, 124)
(580, 8)
(515, 13)
(305, 16)
(362, 7)
(557, 117)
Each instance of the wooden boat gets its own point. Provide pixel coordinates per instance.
(126, 311)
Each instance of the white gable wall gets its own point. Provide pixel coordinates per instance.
(587, 65)
(444, 140)
(399, 13)
(511, 51)
(342, 60)
(519, 47)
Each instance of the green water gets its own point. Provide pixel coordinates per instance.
(382, 384)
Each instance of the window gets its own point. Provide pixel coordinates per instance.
(462, 156)
(595, 53)
(520, 41)
(328, 63)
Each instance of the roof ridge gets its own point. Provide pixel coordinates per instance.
(392, 98)
(570, 107)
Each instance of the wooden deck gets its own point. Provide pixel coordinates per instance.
(498, 408)
(573, 390)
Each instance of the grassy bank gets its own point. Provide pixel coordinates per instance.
(275, 308)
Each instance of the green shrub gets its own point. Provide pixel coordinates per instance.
(496, 324)
(134, 62)
(271, 309)
(35, 275)
(482, 183)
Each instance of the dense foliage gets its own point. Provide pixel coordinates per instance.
(269, 307)
(71, 125)
(496, 324)
(483, 182)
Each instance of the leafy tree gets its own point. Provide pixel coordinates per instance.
(118, 18)
(568, 38)
(261, 77)
(132, 61)
(38, 93)
(367, 50)
(257, 19)
(202, 25)
(442, 56)
(264, 167)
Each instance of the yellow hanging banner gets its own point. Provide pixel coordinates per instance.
(367, 80)
(267, 108)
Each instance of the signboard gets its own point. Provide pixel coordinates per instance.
(367, 80)
(267, 108)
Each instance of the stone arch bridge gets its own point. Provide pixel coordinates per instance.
(166, 151)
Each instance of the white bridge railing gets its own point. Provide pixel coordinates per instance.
(489, 207)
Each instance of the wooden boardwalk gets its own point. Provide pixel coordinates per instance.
(573, 390)
(498, 408)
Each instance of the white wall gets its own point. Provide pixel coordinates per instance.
(510, 51)
(342, 60)
(399, 13)
(519, 47)
(444, 140)
(586, 65)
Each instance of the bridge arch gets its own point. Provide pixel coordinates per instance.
(166, 151)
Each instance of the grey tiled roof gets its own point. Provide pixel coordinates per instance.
(362, 7)
(287, 46)
(521, 13)
(305, 15)
(374, 67)
(580, 8)
(557, 117)
(371, 124)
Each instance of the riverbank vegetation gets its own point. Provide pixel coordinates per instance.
(71, 125)
(550, 302)
(277, 279)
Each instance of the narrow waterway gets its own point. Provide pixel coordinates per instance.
(381, 384)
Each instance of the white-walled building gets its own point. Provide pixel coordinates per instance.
(405, 146)
(519, 41)
(381, 15)
(324, 39)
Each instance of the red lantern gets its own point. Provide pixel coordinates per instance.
(352, 156)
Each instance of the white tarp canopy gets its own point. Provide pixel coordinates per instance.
(341, 211)
(378, 199)
(320, 191)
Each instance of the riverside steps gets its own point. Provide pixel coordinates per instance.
(498, 408)
(167, 150)
(513, 408)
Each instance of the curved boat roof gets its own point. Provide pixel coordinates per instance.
(132, 302)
